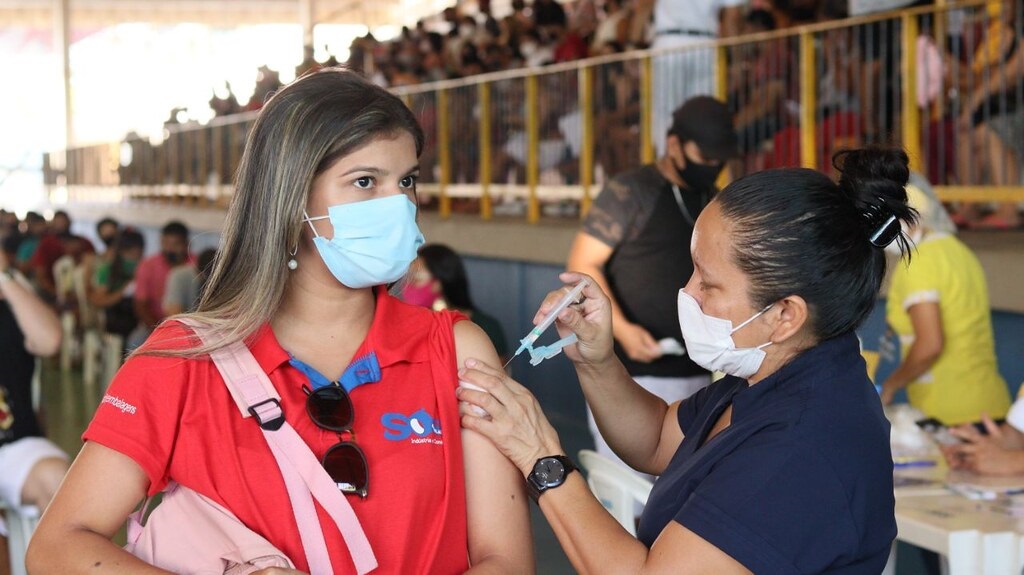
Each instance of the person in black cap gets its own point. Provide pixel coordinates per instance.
(635, 243)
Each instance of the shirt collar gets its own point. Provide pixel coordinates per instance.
(798, 375)
(396, 335)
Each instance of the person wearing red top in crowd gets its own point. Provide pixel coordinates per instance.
(151, 277)
(53, 246)
(322, 220)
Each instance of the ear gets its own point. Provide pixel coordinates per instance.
(692, 150)
(674, 149)
(792, 315)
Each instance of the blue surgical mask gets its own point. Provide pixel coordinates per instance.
(374, 241)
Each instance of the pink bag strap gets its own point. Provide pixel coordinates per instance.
(303, 475)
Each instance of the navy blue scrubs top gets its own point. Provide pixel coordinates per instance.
(799, 482)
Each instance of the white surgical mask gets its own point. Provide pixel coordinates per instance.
(709, 340)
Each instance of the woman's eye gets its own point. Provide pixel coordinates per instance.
(408, 182)
(364, 182)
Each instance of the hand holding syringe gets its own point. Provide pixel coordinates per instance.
(541, 353)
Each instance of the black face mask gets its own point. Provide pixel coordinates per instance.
(173, 258)
(699, 177)
(108, 240)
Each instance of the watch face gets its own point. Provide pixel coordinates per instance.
(549, 471)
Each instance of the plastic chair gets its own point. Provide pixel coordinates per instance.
(63, 273)
(616, 486)
(21, 523)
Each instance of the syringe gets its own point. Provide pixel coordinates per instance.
(570, 298)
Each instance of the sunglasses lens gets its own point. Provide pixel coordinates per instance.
(330, 408)
(346, 465)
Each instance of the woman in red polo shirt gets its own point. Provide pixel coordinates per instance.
(322, 219)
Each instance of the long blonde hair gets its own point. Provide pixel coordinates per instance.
(300, 132)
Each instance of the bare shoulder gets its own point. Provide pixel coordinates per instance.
(472, 342)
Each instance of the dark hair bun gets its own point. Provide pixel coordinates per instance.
(874, 179)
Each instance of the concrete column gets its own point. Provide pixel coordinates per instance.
(61, 45)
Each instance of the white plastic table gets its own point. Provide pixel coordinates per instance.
(976, 537)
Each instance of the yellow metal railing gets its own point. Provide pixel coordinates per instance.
(536, 142)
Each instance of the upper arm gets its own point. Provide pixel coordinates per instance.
(100, 490)
(497, 506)
(926, 317)
(671, 437)
(588, 253)
(679, 550)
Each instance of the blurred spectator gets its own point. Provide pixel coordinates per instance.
(107, 230)
(629, 244)
(765, 108)
(267, 82)
(151, 278)
(534, 52)
(33, 228)
(609, 34)
(31, 467)
(225, 106)
(185, 284)
(438, 280)
(682, 75)
(516, 23)
(992, 116)
(114, 284)
(10, 235)
(548, 14)
(52, 246)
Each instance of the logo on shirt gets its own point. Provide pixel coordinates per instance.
(119, 403)
(420, 427)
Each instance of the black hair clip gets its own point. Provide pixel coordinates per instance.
(886, 233)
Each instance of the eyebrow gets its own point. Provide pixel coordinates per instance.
(378, 171)
(703, 272)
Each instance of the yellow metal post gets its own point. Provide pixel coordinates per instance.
(532, 151)
(586, 95)
(721, 73)
(444, 153)
(911, 114)
(808, 102)
(484, 94)
(646, 110)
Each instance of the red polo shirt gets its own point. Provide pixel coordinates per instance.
(177, 420)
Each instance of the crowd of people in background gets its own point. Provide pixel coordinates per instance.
(977, 61)
(133, 293)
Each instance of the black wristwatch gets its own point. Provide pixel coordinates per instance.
(548, 473)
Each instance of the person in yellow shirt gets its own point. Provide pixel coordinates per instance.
(938, 306)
